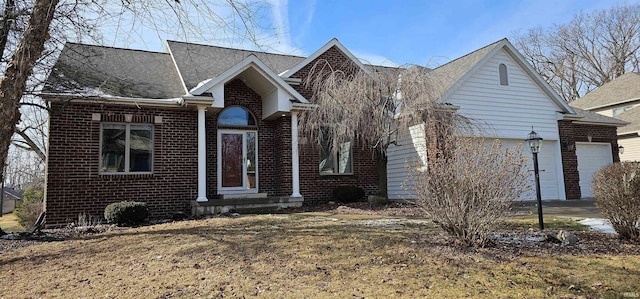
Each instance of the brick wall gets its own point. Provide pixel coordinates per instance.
(74, 184)
(332, 59)
(313, 186)
(570, 133)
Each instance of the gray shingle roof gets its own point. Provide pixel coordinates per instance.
(623, 88)
(446, 75)
(592, 117)
(98, 70)
(197, 63)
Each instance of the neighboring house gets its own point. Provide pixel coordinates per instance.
(619, 98)
(207, 129)
(10, 197)
(497, 88)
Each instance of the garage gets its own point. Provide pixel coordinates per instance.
(548, 165)
(591, 157)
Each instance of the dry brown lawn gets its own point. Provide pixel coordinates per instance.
(299, 256)
(9, 223)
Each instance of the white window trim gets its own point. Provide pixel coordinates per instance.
(127, 151)
(500, 74)
(336, 165)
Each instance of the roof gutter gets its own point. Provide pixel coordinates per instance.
(303, 106)
(171, 102)
(600, 123)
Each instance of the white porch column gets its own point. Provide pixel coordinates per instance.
(294, 156)
(202, 155)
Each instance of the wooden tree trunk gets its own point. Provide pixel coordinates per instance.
(19, 68)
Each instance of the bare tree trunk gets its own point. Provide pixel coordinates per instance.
(13, 83)
(9, 7)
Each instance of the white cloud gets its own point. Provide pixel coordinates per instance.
(280, 41)
(373, 59)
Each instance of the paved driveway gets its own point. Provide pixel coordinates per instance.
(584, 208)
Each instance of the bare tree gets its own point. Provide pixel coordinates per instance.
(372, 107)
(469, 185)
(466, 185)
(589, 51)
(19, 68)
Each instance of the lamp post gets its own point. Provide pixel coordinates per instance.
(534, 143)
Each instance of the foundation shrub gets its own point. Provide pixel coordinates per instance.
(348, 194)
(126, 213)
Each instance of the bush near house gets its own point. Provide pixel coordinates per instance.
(616, 189)
(126, 213)
(469, 187)
(29, 208)
(348, 194)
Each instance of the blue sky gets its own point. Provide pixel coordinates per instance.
(423, 32)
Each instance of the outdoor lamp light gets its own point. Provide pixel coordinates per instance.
(621, 149)
(534, 143)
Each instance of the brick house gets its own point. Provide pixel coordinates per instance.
(197, 129)
(203, 129)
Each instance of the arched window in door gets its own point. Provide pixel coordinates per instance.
(236, 116)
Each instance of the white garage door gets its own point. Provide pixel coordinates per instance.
(591, 157)
(549, 185)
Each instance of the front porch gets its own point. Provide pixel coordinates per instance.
(259, 202)
(247, 137)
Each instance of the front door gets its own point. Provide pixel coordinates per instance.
(237, 161)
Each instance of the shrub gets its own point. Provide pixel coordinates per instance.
(375, 200)
(348, 194)
(468, 186)
(126, 213)
(29, 208)
(616, 189)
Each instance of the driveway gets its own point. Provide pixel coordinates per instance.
(584, 208)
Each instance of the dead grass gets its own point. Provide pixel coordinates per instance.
(549, 224)
(296, 256)
(9, 223)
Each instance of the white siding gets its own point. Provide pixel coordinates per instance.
(608, 112)
(410, 151)
(405, 155)
(631, 149)
(505, 112)
(591, 157)
(508, 111)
